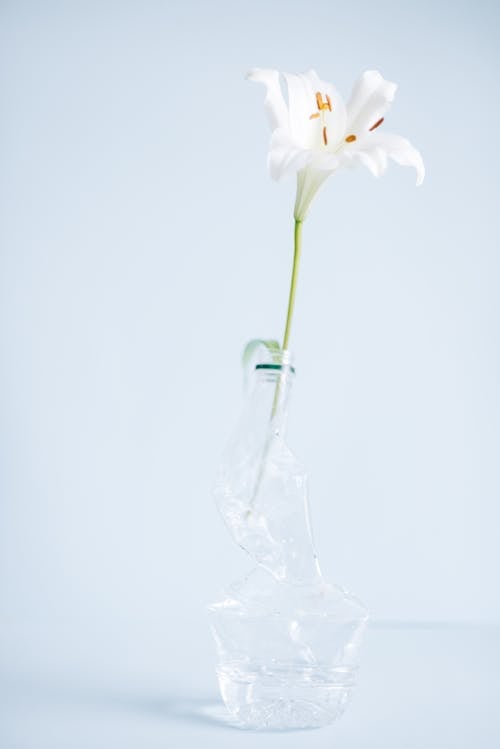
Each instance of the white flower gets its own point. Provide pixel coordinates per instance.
(315, 133)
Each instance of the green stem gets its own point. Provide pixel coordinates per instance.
(297, 248)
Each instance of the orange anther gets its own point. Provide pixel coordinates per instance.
(323, 104)
(325, 139)
(350, 139)
(379, 122)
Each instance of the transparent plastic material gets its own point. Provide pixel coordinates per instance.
(287, 640)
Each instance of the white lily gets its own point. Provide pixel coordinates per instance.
(315, 133)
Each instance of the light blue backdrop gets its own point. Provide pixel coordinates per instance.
(143, 243)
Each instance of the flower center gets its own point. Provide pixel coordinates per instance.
(323, 106)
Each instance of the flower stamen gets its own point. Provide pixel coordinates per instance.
(379, 122)
(322, 107)
(350, 139)
(323, 104)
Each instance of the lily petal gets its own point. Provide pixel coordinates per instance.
(401, 151)
(324, 161)
(302, 90)
(373, 150)
(285, 157)
(309, 180)
(370, 99)
(274, 102)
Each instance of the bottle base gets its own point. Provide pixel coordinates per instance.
(285, 697)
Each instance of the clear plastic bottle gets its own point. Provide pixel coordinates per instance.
(287, 641)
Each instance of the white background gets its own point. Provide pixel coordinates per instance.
(143, 243)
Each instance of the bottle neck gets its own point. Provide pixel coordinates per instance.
(271, 393)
